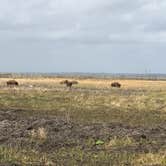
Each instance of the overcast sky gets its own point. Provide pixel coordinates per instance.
(113, 36)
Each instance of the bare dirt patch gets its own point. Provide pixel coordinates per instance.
(16, 130)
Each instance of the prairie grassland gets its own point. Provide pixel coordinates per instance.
(44, 123)
(99, 83)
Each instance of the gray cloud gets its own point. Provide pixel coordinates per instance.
(81, 29)
(77, 19)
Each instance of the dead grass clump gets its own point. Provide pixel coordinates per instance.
(120, 142)
(19, 156)
(40, 133)
(150, 159)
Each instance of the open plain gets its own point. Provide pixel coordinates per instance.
(44, 123)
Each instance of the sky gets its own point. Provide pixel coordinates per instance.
(110, 36)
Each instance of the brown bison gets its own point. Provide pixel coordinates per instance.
(68, 83)
(116, 85)
(12, 83)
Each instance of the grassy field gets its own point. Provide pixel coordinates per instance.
(44, 123)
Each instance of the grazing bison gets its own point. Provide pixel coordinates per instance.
(12, 83)
(116, 85)
(68, 83)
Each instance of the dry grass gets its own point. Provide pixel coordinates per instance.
(89, 100)
(139, 103)
(150, 159)
(40, 134)
(98, 83)
(15, 156)
(120, 142)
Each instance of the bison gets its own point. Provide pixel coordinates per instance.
(68, 83)
(116, 85)
(12, 83)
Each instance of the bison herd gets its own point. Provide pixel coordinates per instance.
(67, 83)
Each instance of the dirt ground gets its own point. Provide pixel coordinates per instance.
(60, 133)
